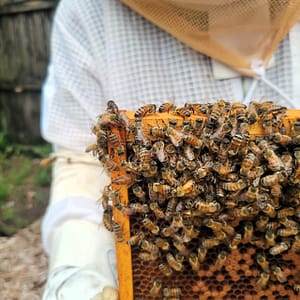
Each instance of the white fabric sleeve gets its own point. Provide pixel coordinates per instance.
(72, 230)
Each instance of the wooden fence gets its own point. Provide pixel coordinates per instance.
(24, 51)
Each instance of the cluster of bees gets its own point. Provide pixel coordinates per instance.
(199, 182)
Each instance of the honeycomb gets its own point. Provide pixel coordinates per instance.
(204, 199)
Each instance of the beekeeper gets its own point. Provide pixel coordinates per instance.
(139, 52)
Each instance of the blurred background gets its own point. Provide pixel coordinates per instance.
(25, 28)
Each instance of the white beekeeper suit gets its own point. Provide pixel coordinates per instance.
(103, 50)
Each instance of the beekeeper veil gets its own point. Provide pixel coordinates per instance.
(242, 34)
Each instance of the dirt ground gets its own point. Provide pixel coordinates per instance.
(23, 265)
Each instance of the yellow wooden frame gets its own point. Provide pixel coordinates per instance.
(123, 250)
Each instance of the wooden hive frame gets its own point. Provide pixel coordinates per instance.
(123, 250)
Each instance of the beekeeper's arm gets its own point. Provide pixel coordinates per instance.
(81, 251)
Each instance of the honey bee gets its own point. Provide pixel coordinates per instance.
(296, 244)
(288, 223)
(175, 136)
(287, 231)
(170, 210)
(183, 112)
(287, 161)
(295, 128)
(177, 220)
(146, 256)
(173, 263)
(189, 152)
(145, 110)
(149, 169)
(123, 208)
(108, 119)
(139, 192)
(234, 186)
(131, 167)
(270, 238)
(194, 262)
(181, 248)
(263, 279)
(159, 149)
(203, 171)
(270, 180)
(167, 107)
(282, 139)
(118, 232)
(138, 208)
(235, 144)
(148, 246)
(169, 231)
(202, 251)
(262, 261)
(193, 140)
(110, 165)
(159, 214)
(156, 288)
(112, 107)
(164, 189)
(214, 225)
(198, 126)
(247, 163)
(274, 161)
(135, 239)
(157, 132)
(221, 260)
(180, 166)
(252, 113)
(115, 143)
(162, 244)
(172, 292)
(296, 288)
(185, 189)
(255, 149)
(217, 111)
(279, 274)
(248, 232)
(91, 148)
(228, 228)
(261, 223)
(108, 218)
(207, 207)
(127, 179)
(267, 208)
(190, 232)
(150, 226)
(279, 248)
(276, 192)
(140, 135)
(235, 241)
(267, 124)
(209, 243)
(109, 196)
(196, 108)
(170, 176)
(165, 269)
(251, 194)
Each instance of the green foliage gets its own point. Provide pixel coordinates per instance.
(5, 146)
(43, 178)
(18, 175)
(4, 189)
(8, 214)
